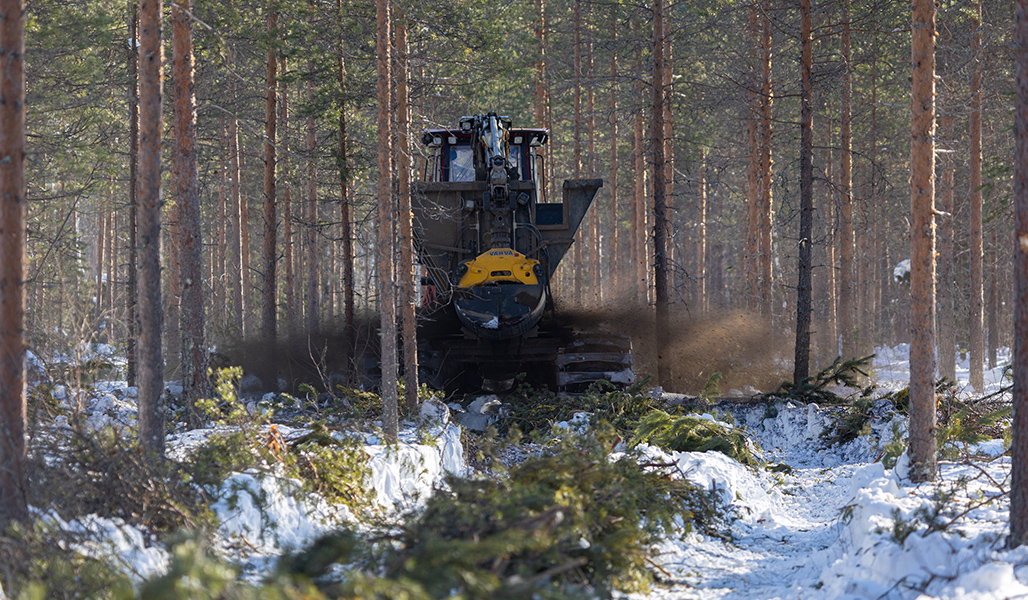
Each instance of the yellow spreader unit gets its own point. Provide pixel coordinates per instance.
(499, 265)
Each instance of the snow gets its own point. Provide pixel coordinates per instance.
(839, 526)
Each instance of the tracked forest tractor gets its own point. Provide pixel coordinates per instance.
(489, 243)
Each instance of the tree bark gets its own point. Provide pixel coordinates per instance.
(765, 175)
(660, 281)
(130, 294)
(612, 184)
(976, 299)
(576, 83)
(408, 291)
(386, 216)
(922, 243)
(269, 292)
(13, 214)
(847, 311)
(344, 203)
(185, 183)
(148, 226)
(801, 364)
(292, 317)
(1019, 448)
(946, 314)
(237, 220)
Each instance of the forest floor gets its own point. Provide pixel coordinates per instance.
(839, 525)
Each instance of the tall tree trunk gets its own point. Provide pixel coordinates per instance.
(640, 260)
(990, 313)
(270, 292)
(13, 213)
(595, 294)
(150, 357)
(220, 301)
(946, 316)
(130, 295)
(1019, 448)
(185, 183)
(701, 238)
(344, 203)
(386, 217)
(292, 317)
(101, 247)
(408, 291)
(765, 175)
(310, 235)
(613, 267)
(847, 291)
(751, 252)
(977, 334)
(659, 202)
(237, 222)
(801, 365)
(922, 243)
(576, 83)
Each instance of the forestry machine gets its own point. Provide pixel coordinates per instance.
(489, 243)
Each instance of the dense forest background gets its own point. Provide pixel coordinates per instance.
(584, 69)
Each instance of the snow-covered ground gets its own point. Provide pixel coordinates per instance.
(840, 525)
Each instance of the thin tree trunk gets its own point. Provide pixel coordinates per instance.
(220, 302)
(13, 214)
(922, 243)
(185, 183)
(701, 238)
(613, 267)
(269, 291)
(659, 202)
(640, 260)
(1019, 448)
(133, 60)
(946, 313)
(801, 365)
(977, 334)
(847, 312)
(237, 222)
(292, 319)
(151, 361)
(386, 217)
(311, 230)
(990, 313)
(408, 291)
(576, 83)
(765, 175)
(344, 203)
(101, 247)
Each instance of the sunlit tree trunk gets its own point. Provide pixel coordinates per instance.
(408, 291)
(185, 184)
(847, 291)
(386, 218)
(269, 291)
(237, 219)
(990, 308)
(292, 314)
(976, 298)
(765, 166)
(801, 365)
(13, 213)
(922, 243)
(150, 355)
(98, 266)
(1019, 448)
(946, 315)
(130, 294)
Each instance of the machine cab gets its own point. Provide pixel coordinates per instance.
(451, 159)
